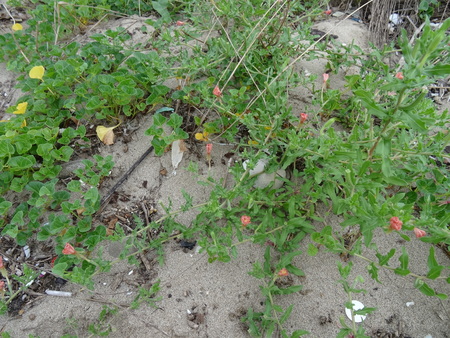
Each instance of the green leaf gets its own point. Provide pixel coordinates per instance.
(59, 269)
(64, 69)
(159, 145)
(94, 103)
(159, 120)
(312, 249)
(23, 144)
(44, 149)
(21, 162)
(161, 7)
(299, 333)
(4, 207)
(415, 122)
(404, 259)
(424, 287)
(85, 224)
(286, 314)
(6, 149)
(373, 271)
(267, 268)
(384, 259)
(289, 290)
(434, 268)
(74, 186)
(394, 180)
(439, 70)
(286, 259)
(92, 194)
(367, 101)
(175, 120)
(18, 219)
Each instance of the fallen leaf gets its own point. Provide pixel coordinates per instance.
(178, 149)
(106, 134)
(80, 211)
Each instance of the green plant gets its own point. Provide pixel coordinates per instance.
(381, 170)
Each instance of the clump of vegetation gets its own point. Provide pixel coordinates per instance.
(383, 170)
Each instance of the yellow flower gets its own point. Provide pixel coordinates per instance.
(37, 72)
(21, 108)
(252, 142)
(202, 136)
(17, 27)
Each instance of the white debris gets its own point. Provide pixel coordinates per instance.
(357, 305)
(58, 293)
(408, 304)
(26, 250)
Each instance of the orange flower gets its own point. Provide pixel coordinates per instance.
(180, 23)
(69, 250)
(328, 12)
(395, 224)
(419, 233)
(399, 75)
(283, 272)
(245, 220)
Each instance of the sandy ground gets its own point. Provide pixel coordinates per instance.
(207, 300)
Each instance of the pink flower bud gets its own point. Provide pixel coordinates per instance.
(245, 220)
(419, 233)
(217, 92)
(303, 117)
(325, 76)
(283, 272)
(328, 12)
(2, 286)
(68, 250)
(209, 148)
(180, 23)
(399, 75)
(396, 224)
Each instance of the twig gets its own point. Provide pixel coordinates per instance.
(104, 201)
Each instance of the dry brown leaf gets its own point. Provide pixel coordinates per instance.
(178, 149)
(106, 134)
(80, 210)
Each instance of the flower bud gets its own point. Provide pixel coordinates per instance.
(68, 250)
(395, 224)
(303, 117)
(419, 233)
(217, 92)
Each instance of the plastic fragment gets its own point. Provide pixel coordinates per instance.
(58, 293)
